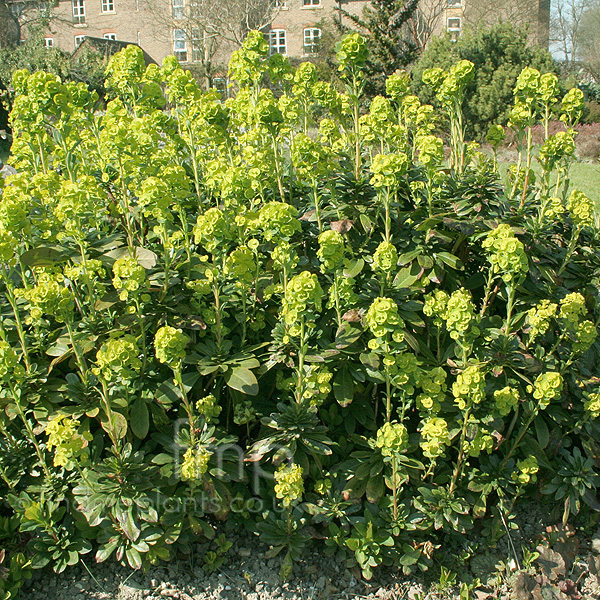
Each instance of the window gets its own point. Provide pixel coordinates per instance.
(110, 36)
(277, 41)
(108, 6)
(78, 40)
(178, 7)
(198, 46)
(451, 3)
(48, 42)
(453, 24)
(179, 45)
(280, 3)
(311, 2)
(312, 38)
(78, 11)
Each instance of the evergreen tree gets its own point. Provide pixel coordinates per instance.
(384, 24)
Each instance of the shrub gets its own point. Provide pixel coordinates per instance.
(499, 54)
(210, 314)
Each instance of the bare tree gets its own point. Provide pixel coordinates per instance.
(535, 14)
(206, 31)
(566, 25)
(426, 22)
(588, 40)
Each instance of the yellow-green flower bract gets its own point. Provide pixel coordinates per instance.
(392, 439)
(290, 485)
(169, 345)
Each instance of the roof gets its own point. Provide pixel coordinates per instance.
(108, 48)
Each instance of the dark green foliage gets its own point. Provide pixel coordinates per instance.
(389, 46)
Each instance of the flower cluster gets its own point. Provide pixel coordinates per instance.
(240, 266)
(585, 336)
(482, 442)
(351, 52)
(582, 209)
(397, 85)
(129, 276)
(279, 221)
(48, 297)
(69, 444)
(526, 470)
(469, 387)
(459, 313)
(213, 230)
(506, 400)
(208, 407)
(195, 462)
(433, 386)
(572, 307)
(546, 387)
(434, 437)
(303, 293)
(169, 345)
(392, 439)
(290, 485)
(506, 253)
(430, 150)
(117, 359)
(388, 170)
(557, 147)
(382, 318)
(592, 404)
(539, 317)
(385, 257)
(572, 106)
(331, 250)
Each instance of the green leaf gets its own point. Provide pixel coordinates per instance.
(133, 558)
(354, 267)
(41, 257)
(449, 259)
(541, 430)
(343, 388)
(140, 419)
(407, 276)
(119, 425)
(375, 489)
(243, 380)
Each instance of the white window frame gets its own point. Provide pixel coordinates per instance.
(281, 4)
(180, 45)
(78, 11)
(78, 40)
(311, 3)
(278, 41)
(48, 42)
(454, 28)
(178, 9)
(108, 6)
(110, 36)
(453, 3)
(312, 39)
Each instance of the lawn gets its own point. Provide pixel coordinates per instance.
(584, 177)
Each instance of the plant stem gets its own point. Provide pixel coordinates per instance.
(461, 451)
(16, 397)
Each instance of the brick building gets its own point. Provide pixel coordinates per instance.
(162, 27)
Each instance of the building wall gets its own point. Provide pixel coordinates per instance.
(129, 21)
(149, 23)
